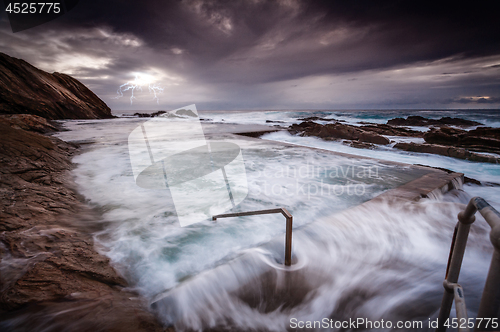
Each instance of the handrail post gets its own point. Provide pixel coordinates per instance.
(465, 219)
(489, 307)
(289, 221)
(288, 241)
(490, 299)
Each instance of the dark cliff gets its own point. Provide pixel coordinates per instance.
(27, 89)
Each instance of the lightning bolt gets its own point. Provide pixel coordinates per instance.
(136, 85)
(156, 90)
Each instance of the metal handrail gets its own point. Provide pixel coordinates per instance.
(284, 212)
(490, 300)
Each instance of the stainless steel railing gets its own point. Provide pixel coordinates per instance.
(284, 212)
(489, 307)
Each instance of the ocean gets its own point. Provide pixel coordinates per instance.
(379, 263)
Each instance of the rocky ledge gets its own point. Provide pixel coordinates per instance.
(332, 131)
(51, 276)
(448, 151)
(420, 121)
(27, 89)
(481, 139)
(443, 140)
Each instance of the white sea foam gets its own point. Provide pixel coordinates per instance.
(484, 172)
(144, 235)
(377, 262)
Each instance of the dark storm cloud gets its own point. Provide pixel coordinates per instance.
(373, 34)
(245, 53)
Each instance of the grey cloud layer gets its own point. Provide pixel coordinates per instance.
(252, 54)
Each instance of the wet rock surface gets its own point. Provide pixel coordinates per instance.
(337, 131)
(51, 276)
(317, 118)
(444, 140)
(482, 139)
(384, 129)
(359, 145)
(420, 121)
(449, 151)
(29, 122)
(27, 89)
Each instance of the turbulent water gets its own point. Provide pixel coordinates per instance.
(381, 261)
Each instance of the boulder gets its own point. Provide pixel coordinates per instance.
(371, 137)
(339, 131)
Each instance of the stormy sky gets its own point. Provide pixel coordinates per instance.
(283, 54)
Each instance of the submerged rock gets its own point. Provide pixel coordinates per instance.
(317, 118)
(149, 115)
(27, 89)
(359, 145)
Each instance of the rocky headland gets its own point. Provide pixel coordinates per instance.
(52, 278)
(25, 89)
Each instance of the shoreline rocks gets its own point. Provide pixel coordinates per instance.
(177, 114)
(419, 121)
(337, 131)
(448, 151)
(445, 141)
(482, 139)
(316, 118)
(51, 276)
(149, 115)
(385, 129)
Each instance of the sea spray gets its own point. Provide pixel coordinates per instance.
(371, 264)
(380, 261)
